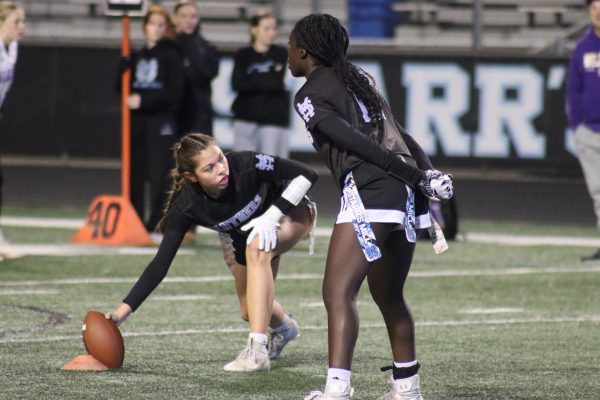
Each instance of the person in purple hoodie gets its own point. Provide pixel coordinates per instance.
(583, 107)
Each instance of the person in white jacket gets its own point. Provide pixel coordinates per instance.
(12, 27)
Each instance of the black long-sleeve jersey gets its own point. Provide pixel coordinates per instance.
(258, 79)
(256, 181)
(343, 134)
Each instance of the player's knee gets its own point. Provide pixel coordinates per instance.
(254, 255)
(335, 297)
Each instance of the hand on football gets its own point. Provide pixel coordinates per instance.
(120, 314)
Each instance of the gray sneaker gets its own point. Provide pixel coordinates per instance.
(403, 389)
(278, 339)
(253, 358)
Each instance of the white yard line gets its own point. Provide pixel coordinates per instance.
(311, 276)
(84, 250)
(505, 239)
(28, 292)
(243, 329)
(531, 240)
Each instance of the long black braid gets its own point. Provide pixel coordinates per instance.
(324, 37)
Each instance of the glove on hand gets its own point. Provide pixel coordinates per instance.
(265, 227)
(440, 184)
(436, 185)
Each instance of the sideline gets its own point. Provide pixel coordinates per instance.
(593, 268)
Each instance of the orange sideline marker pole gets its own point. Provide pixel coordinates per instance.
(112, 220)
(125, 115)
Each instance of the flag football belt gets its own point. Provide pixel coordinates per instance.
(409, 216)
(362, 227)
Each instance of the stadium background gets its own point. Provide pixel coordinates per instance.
(59, 138)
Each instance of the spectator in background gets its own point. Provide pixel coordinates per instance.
(262, 106)
(583, 107)
(201, 65)
(12, 28)
(156, 92)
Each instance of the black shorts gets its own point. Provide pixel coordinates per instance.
(238, 239)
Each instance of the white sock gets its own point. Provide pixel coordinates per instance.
(335, 375)
(259, 337)
(405, 364)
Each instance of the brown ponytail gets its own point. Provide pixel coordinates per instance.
(184, 152)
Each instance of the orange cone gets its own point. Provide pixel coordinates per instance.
(112, 221)
(84, 363)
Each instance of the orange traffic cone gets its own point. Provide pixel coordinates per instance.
(112, 221)
(84, 363)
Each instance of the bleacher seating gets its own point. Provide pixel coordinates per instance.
(506, 23)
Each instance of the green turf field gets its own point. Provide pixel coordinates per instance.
(493, 322)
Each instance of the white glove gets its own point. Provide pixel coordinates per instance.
(437, 186)
(265, 227)
(440, 184)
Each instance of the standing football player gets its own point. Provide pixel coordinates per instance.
(385, 181)
(583, 101)
(257, 203)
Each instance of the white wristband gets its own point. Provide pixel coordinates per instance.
(297, 188)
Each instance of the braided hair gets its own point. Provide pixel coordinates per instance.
(184, 153)
(324, 38)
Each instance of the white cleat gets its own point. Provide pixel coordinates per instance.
(7, 251)
(279, 339)
(403, 389)
(341, 390)
(254, 358)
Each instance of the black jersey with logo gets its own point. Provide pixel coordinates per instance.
(323, 96)
(255, 182)
(358, 145)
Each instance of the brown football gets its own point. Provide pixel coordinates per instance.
(103, 340)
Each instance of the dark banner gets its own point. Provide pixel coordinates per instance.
(465, 112)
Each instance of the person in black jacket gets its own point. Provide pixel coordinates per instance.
(201, 65)
(258, 203)
(262, 108)
(385, 180)
(156, 92)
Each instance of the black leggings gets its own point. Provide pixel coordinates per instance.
(345, 271)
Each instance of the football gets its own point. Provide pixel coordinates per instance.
(103, 340)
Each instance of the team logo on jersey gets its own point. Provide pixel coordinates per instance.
(146, 72)
(265, 162)
(306, 109)
(591, 61)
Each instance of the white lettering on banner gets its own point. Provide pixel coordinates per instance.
(436, 97)
(510, 97)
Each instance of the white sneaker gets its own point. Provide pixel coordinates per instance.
(279, 339)
(403, 389)
(254, 358)
(341, 390)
